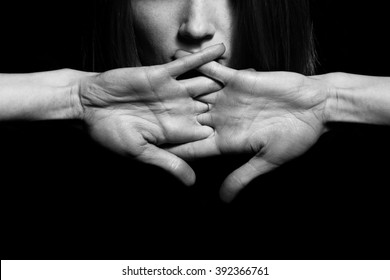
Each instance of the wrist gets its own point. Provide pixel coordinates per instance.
(338, 95)
(357, 98)
(50, 95)
(322, 92)
(76, 83)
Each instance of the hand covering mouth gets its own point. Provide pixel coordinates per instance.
(194, 73)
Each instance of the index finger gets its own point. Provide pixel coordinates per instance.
(212, 69)
(192, 61)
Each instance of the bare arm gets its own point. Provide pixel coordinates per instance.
(40, 96)
(358, 98)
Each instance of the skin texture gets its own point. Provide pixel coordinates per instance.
(256, 113)
(134, 110)
(163, 27)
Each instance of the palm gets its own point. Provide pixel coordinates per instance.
(282, 122)
(159, 108)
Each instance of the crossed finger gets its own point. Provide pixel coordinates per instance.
(193, 61)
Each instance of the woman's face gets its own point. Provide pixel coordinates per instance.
(164, 26)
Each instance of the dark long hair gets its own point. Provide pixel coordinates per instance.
(272, 35)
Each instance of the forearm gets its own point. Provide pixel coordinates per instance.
(40, 96)
(358, 98)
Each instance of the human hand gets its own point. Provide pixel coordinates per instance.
(134, 110)
(276, 116)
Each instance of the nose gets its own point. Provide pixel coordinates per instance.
(197, 25)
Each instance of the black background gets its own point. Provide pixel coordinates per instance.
(65, 197)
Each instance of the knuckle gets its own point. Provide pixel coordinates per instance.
(186, 62)
(203, 58)
(213, 69)
(237, 183)
(174, 165)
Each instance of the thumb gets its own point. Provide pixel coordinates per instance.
(169, 162)
(242, 176)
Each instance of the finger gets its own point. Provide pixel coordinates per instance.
(199, 132)
(211, 69)
(169, 162)
(201, 107)
(217, 71)
(195, 150)
(200, 86)
(208, 98)
(205, 119)
(192, 61)
(242, 176)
